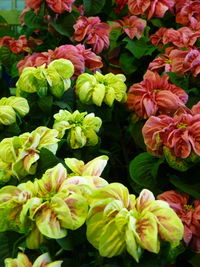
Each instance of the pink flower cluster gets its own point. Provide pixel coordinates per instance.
(78, 55)
(58, 6)
(93, 32)
(188, 211)
(180, 133)
(156, 8)
(155, 95)
(132, 26)
(187, 11)
(20, 45)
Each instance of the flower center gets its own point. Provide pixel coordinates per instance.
(182, 125)
(168, 61)
(188, 207)
(157, 90)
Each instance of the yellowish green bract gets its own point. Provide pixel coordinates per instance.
(99, 88)
(19, 154)
(81, 128)
(55, 78)
(23, 261)
(10, 106)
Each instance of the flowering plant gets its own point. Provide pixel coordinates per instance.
(100, 134)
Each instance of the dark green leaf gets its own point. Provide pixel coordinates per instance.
(65, 243)
(34, 21)
(45, 103)
(157, 22)
(47, 160)
(136, 133)
(195, 260)
(128, 63)
(179, 80)
(191, 189)
(93, 7)
(143, 169)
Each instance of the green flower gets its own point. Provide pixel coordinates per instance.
(19, 154)
(98, 88)
(22, 261)
(81, 128)
(135, 224)
(64, 68)
(10, 106)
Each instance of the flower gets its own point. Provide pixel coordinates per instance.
(81, 128)
(187, 10)
(188, 211)
(155, 8)
(93, 31)
(22, 260)
(155, 95)
(19, 154)
(133, 26)
(35, 4)
(78, 55)
(60, 6)
(120, 5)
(134, 223)
(100, 88)
(10, 106)
(179, 133)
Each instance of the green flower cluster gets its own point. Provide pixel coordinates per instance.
(19, 154)
(49, 206)
(81, 128)
(99, 88)
(22, 261)
(55, 78)
(10, 107)
(116, 220)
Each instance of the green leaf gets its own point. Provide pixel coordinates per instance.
(195, 260)
(45, 103)
(35, 21)
(65, 243)
(191, 189)
(143, 169)
(128, 63)
(93, 7)
(136, 132)
(139, 48)
(157, 22)
(47, 160)
(179, 80)
(64, 23)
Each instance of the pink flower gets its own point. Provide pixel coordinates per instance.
(133, 26)
(5, 41)
(188, 211)
(33, 3)
(20, 45)
(78, 55)
(94, 32)
(163, 62)
(120, 5)
(186, 10)
(60, 6)
(155, 95)
(181, 134)
(156, 8)
(157, 37)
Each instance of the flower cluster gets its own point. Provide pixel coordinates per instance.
(93, 32)
(117, 221)
(49, 206)
(150, 8)
(10, 107)
(55, 78)
(81, 128)
(58, 6)
(19, 154)
(175, 136)
(131, 25)
(78, 55)
(155, 95)
(188, 211)
(22, 260)
(98, 88)
(20, 45)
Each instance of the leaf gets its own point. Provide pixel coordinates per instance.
(128, 63)
(45, 103)
(35, 21)
(179, 80)
(64, 23)
(143, 169)
(93, 7)
(157, 22)
(47, 160)
(139, 48)
(195, 260)
(191, 189)
(136, 133)
(65, 243)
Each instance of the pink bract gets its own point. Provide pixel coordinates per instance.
(155, 95)
(181, 133)
(34, 3)
(60, 6)
(95, 33)
(155, 8)
(189, 213)
(133, 26)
